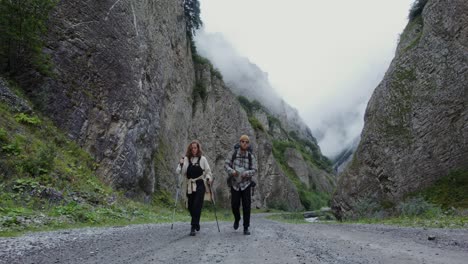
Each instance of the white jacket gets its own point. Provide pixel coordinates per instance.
(206, 172)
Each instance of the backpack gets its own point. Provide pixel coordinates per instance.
(249, 152)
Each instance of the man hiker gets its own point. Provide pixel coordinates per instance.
(241, 166)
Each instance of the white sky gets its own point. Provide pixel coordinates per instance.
(323, 57)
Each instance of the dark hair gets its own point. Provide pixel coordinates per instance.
(188, 154)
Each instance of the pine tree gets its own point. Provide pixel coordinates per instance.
(22, 24)
(416, 9)
(192, 17)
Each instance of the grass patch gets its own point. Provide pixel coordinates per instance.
(26, 119)
(449, 191)
(442, 205)
(290, 218)
(48, 182)
(256, 124)
(442, 221)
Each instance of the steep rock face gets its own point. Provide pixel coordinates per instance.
(313, 177)
(113, 62)
(217, 121)
(344, 158)
(126, 89)
(416, 123)
(11, 99)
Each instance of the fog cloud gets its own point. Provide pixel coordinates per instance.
(322, 57)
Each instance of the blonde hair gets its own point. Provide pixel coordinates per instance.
(188, 154)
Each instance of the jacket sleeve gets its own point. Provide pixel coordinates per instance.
(227, 164)
(252, 172)
(182, 170)
(206, 168)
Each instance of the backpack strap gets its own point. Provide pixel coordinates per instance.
(234, 155)
(198, 161)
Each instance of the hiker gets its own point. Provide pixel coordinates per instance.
(194, 166)
(241, 166)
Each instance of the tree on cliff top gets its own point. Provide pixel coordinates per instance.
(192, 17)
(22, 25)
(416, 9)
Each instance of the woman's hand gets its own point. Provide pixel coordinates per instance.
(181, 161)
(209, 181)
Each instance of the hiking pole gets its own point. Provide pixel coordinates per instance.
(176, 198)
(214, 206)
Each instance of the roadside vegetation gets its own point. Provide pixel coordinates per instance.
(48, 182)
(444, 204)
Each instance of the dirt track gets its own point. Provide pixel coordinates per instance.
(270, 242)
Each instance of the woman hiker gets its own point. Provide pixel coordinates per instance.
(194, 166)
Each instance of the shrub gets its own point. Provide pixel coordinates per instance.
(25, 185)
(278, 205)
(215, 72)
(163, 197)
(366, 208)
(200, 60)
(40, 164)
(256, 124)
(26, 119)
(3, 136)
(12, 149)
(417, 206)
(449, 191)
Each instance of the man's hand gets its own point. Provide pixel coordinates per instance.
(235, 173)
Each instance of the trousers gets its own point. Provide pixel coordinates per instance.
(195, 203)
(236, 198)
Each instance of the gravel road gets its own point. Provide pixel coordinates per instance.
(270, 242)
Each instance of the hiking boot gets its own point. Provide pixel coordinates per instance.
(246, 231)
(236, 224)
(197, 227)
(192, 231)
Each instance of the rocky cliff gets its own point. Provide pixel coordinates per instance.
(114, 62)
(126, 87)
(416, 123)
(217, 120)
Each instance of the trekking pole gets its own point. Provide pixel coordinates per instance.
(176, 198)
(214, 206)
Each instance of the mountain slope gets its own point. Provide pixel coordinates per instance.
(416, 123)
(126, 87)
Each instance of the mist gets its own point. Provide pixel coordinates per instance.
(241, 75)
(322, 58)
